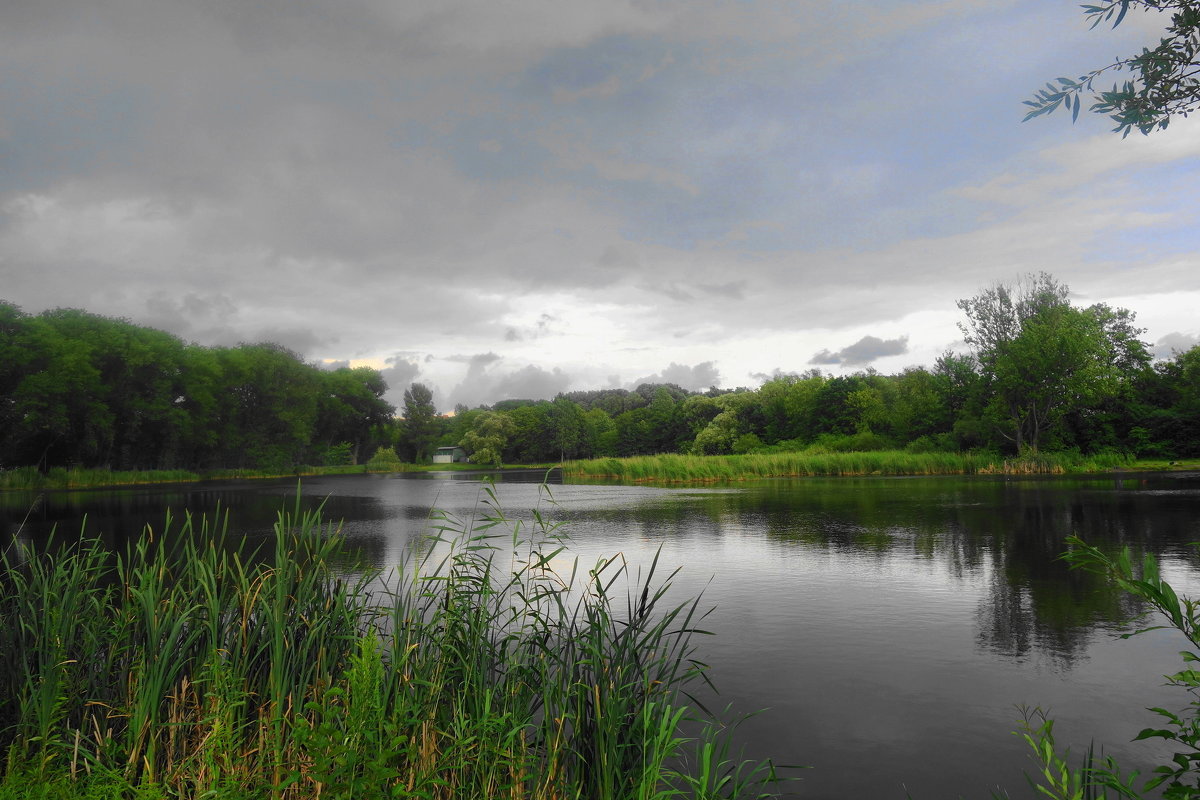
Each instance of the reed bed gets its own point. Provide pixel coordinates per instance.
(30, 478)
(62, 478)
(671, 468)
(185, 667)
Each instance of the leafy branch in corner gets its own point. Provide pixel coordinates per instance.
(1164, 82)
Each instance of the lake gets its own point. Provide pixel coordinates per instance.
(887, 628)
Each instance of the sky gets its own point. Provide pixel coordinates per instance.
(520, 198)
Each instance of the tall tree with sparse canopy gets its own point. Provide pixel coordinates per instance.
(420, 420)
(1042, 358)
(1164, 82)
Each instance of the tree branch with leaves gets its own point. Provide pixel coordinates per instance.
(1164, 81)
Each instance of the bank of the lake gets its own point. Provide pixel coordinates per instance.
(674, 468)
(31, 479)
(663, 468)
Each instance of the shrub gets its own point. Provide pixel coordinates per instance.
(385, 459)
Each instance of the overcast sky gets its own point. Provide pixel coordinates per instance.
(519, 197)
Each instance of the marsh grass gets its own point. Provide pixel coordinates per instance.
(31, 479)
(671, 468)
(186, 667)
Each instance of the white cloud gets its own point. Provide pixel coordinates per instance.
(1079, 164)
(1175, 342)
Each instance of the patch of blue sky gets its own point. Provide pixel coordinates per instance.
(1168, 198)
(1133, 248)
(489, 148)
(581, 72)
(60, 130)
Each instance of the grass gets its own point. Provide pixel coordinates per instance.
(671, 468)
(475, 671)
(30, 478)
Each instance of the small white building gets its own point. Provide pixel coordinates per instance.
(450, 455)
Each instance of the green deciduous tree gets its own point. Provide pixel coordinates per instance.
(353, 410)
(267, 403)
(488, 437)
(1164, 80)
(567, 428)
(420, 420)
(1042, 358)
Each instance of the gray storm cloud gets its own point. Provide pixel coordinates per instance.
(864, 351)
(400, 372)
(694, 378)
(485, 383)
(403, 176)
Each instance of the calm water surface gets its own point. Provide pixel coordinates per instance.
(888, 627)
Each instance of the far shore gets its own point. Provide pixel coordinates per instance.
(30, 479)
(665, 469)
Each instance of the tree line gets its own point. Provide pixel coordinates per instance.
(77, 389)
(1041, 373)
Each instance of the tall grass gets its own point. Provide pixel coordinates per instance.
(186, 667)
(688, 468)
(63, 478)
(30, 478)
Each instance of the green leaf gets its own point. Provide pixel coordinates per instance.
(1153, 733)
(1124, 10)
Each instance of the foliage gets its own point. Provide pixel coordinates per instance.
(206, 670)
(1042, 359)
(692, 468)
(338, 455)
(1179, 779)
(78, 389)
(420, 425)
(488, 437)
(385, 459)
(1165, 80)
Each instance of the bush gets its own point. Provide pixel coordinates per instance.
(861, 442)
(338, 455)
(385, 459)
(937, 443)
(747, 443)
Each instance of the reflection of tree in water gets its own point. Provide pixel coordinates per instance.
(1002, 535)
(1006, 535)
(1035, 602)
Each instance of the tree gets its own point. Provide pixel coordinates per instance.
(420, 418)
(352, 409)
(267, 406)
(566, 424)
(488, 436)
(1165, 80)
(719, 436)
(1042, 358)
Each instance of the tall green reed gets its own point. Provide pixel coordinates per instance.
(685, 468)
(477, 669)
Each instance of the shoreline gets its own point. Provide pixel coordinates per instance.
(661, 469)
(27, 479)
(680, 469)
